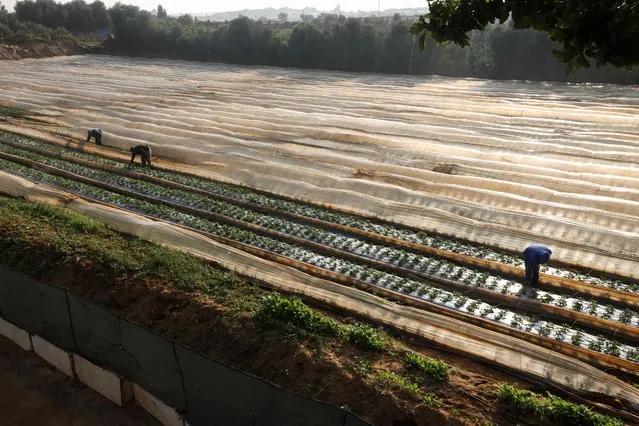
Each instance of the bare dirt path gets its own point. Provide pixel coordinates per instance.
(38, 49)
(34, 393)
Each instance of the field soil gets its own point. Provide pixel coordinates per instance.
(34, 393)
(39, 49)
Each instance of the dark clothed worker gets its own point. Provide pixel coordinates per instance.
(533, 257)
(96, 134)
(144, 151)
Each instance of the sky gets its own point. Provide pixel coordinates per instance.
(201, 6)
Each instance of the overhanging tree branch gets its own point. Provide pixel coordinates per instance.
(596, 32)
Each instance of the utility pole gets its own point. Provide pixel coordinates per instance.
(379, 7)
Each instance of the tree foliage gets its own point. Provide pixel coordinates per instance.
(162, 13)
(600, 32)
(332, 41)
(329, 41)
(76, 16)
(12, 30)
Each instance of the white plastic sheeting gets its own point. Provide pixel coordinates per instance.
(461, 337)
(530, 162)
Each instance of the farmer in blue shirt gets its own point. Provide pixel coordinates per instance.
(533, 257)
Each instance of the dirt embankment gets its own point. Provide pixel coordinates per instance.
(40, 49)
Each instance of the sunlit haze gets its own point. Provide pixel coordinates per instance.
(201, 6)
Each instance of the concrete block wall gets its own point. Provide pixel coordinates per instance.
(162, 412)
(55, 356)
(107, 383)
(17, 335)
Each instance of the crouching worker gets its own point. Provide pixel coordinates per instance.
(533, 257)
(144, 151)
(96, 134)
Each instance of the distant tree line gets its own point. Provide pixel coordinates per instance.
(76, 16)
(329, 41)
(14, 30)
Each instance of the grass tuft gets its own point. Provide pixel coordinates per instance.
(292, 315)
(398, 382)
(432, 401)
(365, 337)
(281, 311)
(436, 369)
(553, 409)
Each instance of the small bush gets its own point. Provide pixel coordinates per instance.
(612, 348)
(626, 316)
(61, 33)
(431, 401)
(400, 382)
(279, 311)
(365, 337)
(290, 312)
(487, 311)
(553, 409)
(434, 368)
(360, 366)
(596, 345)
(566, 413)
(523, 400)
(577, 338)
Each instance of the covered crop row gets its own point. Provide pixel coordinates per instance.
(429, 266)
(332, 216)
(417, 289)
(502, 164)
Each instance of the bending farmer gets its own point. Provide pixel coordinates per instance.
(96, 134)
(144, 151)
(533, 257)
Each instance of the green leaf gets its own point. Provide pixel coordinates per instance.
(416, 28)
